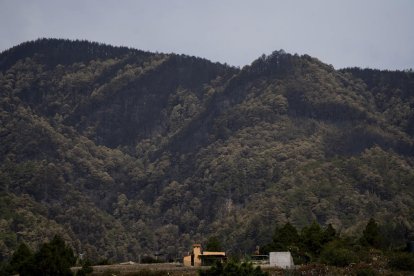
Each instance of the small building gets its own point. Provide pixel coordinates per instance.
(259, 259)
(281, 259)
(200, 258)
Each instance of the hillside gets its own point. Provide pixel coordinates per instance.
(126, 153)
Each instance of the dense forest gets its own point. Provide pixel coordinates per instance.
(125, 153)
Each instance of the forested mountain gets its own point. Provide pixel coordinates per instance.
(125, 153)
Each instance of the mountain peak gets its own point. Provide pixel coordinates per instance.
(98, 140)
(55, 51)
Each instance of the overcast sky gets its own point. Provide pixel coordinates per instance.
(364, 33)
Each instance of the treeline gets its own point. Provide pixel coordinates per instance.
(52, 258)
(52, 52)
(376, 248)
(316, 244)
(314, 248)
(392, 92)
(163, 150)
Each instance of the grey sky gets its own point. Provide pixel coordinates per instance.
(364, 33)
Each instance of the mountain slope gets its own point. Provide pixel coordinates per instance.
(128, 153)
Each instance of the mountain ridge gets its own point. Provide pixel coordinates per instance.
(126, 153)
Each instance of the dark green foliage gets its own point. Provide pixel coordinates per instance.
(371, 236)
(128, 153)
(399, 86)
(60, 51)
(86, 269)
(366, 272)
(305, 247)
(336, 253)
(402, 261)
(53, 258)
(213, 244)
(22, 258)
(285, 238)
(329, 234)
(103, 262)
(232, 269)
(394, 235)
(312, 237)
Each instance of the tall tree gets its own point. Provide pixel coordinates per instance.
(213, 244)
(371, 236)
(54, 258)
(21, 258)
(312, 237)
(285, 237)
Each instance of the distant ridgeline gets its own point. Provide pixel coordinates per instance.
(125, 153)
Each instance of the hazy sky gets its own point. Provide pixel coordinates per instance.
(364, 33)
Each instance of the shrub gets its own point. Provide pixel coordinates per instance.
(53, 258)
(21, 258)
(86, 269)
(103, 262)
(402, 261)
(366, 272)
(338, 255)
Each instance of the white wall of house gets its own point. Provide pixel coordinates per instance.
(281, 259)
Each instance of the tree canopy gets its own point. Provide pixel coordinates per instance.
(126, 153)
